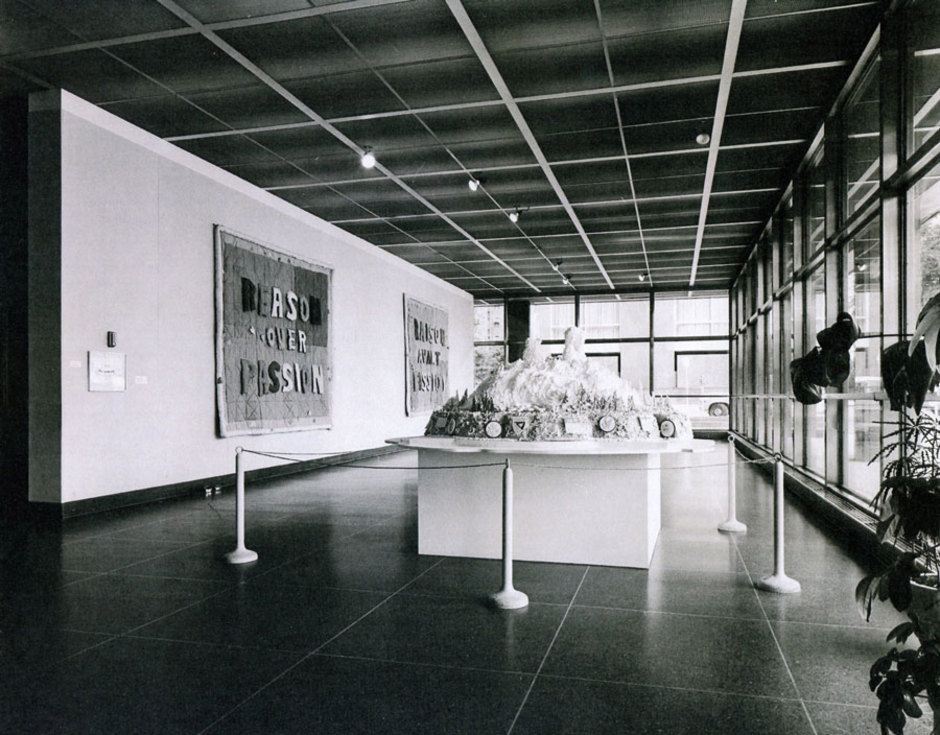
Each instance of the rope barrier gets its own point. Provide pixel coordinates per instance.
(762, 460)
(412, 468)
(508, 597)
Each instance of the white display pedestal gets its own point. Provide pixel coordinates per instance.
(581, 502)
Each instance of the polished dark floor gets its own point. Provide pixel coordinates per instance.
(133, 623)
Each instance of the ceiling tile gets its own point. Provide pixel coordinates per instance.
(692, 101)
(532, 24)
(349, 94)
(560, 69)
(812, 88)
(188, 64)
(25, 29)
(298, 49)
(228, 151)
(803, 38)
(404, 33)
(213, 11)
(108, 18)
(165, 116)
(440, 82)
(93, 75)
(697, 51)
(248, 107)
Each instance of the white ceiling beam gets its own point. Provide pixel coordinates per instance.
(290, 97)
(735, 24)
(479, 48)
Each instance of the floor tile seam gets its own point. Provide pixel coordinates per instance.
(697, 690)
(37, 669)
(167, 577)
(860, 626)
(773, 634)
(303, 658)
(422, 664)
(136, 636)
(548, 651)
(103, 534)
(178, 610)
(855, 705)
(182, 547)
(647, 611)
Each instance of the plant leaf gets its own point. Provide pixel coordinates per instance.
(863, 597)
(910, 706)
(927, 321)
(899, 589)
(901, 632)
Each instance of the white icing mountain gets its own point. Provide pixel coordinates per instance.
(540, 381)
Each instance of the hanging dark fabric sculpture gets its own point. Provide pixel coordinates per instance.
(829, 364)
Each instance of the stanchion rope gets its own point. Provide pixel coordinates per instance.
(642, 469)
(289, 457)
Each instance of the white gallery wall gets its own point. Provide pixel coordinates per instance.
(134, 237)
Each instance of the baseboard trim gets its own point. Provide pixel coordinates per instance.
(146, 496)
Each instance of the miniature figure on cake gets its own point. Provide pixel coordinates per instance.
(539, 398)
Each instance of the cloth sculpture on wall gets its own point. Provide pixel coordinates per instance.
(827, 364)
(909, 369)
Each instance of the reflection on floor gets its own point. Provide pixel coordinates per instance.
(133, 623)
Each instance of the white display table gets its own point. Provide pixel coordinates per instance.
(578, 502)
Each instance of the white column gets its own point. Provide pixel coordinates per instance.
(241, 555)
(508, 598)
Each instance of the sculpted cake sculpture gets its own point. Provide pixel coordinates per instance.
(544, 398)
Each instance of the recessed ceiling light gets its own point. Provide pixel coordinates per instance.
(702, 138)
(368, 158)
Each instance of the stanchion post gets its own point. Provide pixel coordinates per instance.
(241, 555)
(778, 581)
(508, 598)
(732, 525)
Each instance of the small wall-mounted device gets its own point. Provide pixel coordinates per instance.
(112, 339)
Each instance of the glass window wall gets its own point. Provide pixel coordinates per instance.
(862, 160)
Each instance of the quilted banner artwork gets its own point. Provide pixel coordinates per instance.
(273, 351)
(426, 353)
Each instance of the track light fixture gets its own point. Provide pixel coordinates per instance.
(368, 158)
(703, 138)
(474, 184)
(556, 266)
(641, 277)
(565, 280)
(514, 215)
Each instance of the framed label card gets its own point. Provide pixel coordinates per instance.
(107, 371)
(426, 356)
(273, 347)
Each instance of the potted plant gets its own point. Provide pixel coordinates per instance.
(908, 503)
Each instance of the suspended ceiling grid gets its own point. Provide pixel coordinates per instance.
(581, 115)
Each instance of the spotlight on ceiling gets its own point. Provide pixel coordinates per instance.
(514, 215)
(474, 184)
(641, 277)
(368, 158)
(565, 280)
(556, 266)
(702, 138)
